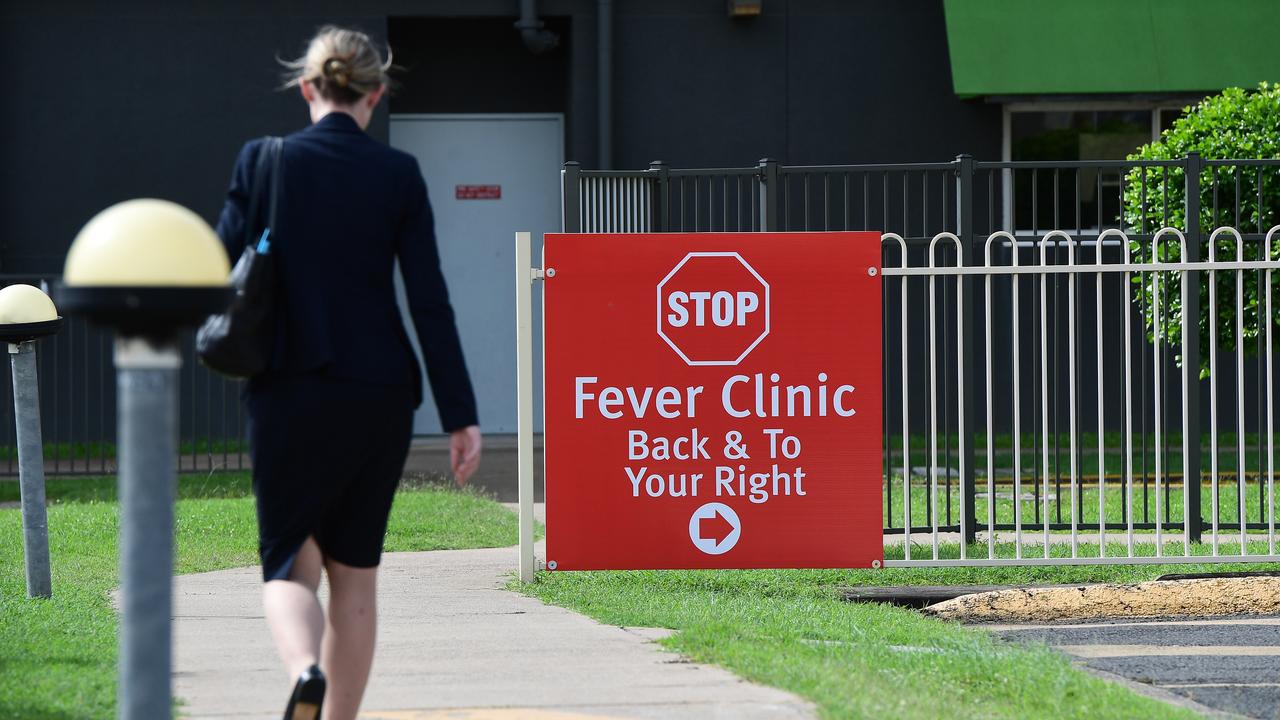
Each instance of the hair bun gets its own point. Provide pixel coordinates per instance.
(337, 70)
(340, 64)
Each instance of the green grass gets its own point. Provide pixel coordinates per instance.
(1087, 460)
(1059, 455)
(57, 657)
(789, 629)
(1146, 504)
(1003, 441)
(98, 450)
(75, 489)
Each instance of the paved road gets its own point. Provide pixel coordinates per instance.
(1229, 665)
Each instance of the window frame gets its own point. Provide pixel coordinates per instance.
(1155, 107)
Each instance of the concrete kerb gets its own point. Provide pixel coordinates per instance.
(1156, 598)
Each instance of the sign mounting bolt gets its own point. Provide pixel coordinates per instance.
(551, 564)
(551, 272)
(873, 271)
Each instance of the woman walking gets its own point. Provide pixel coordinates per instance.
(331, 419)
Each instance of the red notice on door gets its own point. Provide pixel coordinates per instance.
(477, 192)
(713, 400)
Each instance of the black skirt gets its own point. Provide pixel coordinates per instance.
(327, 457)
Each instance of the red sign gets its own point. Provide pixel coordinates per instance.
(477, 192)
(713, 400)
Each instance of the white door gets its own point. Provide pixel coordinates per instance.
(488, 177)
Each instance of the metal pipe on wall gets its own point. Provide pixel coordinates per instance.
(536, 38)
(605, 90)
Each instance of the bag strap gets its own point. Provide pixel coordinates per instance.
(266, 170)
(275, 147)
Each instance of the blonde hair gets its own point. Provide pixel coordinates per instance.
(342, 64)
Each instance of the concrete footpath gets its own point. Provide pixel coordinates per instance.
(454, 644)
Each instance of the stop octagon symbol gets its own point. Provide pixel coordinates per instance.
(713, 308)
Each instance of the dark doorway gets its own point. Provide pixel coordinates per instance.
(476, 65)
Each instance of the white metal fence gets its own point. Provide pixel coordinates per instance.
(1114, 473)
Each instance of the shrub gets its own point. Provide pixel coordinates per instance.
(1234, 125)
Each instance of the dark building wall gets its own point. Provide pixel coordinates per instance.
(141, 98)
(807, 82)
(477, 65)
(870, 82)
(109, 102)
(135, 99)
(695, 88)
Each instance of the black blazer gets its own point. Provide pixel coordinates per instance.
(349, 206)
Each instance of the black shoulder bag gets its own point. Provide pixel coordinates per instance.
(239, 342)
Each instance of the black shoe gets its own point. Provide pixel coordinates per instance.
(308, 696)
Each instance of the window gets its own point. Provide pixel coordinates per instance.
(1168, 115)
(1088, 198)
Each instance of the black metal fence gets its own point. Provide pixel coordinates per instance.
(974, 199)
(78, 405)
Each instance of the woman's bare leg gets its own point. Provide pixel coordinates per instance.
(349, 638)
(293, 611)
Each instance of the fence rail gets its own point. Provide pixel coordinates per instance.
(1025, 301)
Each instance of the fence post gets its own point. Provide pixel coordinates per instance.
(967, 331)
(658, 203)
(525, 275)
(1191, 329)
(768, 195)
(571, 196)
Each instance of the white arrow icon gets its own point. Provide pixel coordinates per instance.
(715, 528)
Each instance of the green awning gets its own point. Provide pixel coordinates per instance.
(1037, 47)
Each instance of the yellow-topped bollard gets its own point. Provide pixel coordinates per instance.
(147, 243)
(22, 304)
(26, 315)
(148, 268)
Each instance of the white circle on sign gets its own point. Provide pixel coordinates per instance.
(715, 528)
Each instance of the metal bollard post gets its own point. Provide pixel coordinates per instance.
(147, 383)
(35, 519)
(27, 314)
(147, 268)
